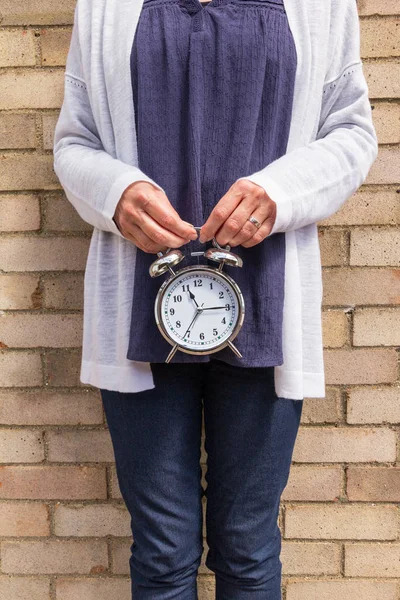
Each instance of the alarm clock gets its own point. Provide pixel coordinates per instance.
(199, 309)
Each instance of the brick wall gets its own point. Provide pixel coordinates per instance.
(64, 529)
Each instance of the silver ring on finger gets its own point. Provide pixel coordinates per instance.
(255, 221)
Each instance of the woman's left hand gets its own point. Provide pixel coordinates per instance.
(228, 221)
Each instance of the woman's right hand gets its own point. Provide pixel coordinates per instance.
(145, 216)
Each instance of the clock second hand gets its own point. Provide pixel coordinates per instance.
(199, 309)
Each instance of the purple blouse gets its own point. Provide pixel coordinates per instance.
(213, 92)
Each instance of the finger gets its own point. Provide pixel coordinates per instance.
(159, 234)
(221, 211)
(143, 241)
(236, 227)
(249, 228)
(156, 204)
(260, 234)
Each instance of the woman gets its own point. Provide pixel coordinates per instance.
(250, 119)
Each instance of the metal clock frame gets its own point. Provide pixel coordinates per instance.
(158, 307)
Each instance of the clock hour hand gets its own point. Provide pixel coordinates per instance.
(192, 297)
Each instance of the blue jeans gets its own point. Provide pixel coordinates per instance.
(249, 440)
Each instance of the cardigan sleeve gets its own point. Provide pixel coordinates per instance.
(92, 179)
(312, 182)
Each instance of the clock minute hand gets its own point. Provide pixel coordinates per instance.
(210, 307)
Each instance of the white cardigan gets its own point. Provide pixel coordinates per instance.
(332, 145)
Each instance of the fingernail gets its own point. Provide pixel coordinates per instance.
(193, 235)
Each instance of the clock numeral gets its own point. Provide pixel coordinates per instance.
(171, 311)
(185, 287)
(198, 282)
(223, 320)
(202, 336)
(211, 286)
(221, 295)
(178, 298)
(215, 331)
(188, 334)
(178, 324)
(228, 306)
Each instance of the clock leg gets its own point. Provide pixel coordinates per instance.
(171, 354)
(234, 349)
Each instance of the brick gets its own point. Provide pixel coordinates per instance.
(31, 88)
(313, 483)
(376, 327)
(17, 131)
(37, 253)
(36, 12)
(380, 37)
(383, 79)
(362, 366)
(94, 588)
(328, 411)
(310, 558)
(63, 291)
(17, 48)
(378, 7)
(202, 567)
(368, 207)
(80, 446)
(386, 167)
(63, 368)
(52, 483)
(120, 553)
(340, 522)
(54, 556)
(19, 213)
(386, 117)
(20, 369)
(24, 588)
(375, 246)
(49, 124)
(352, 286)
(345, 590)
(23, 519)
(23, 330)
(372, 560)
(60, 215)
(345, 444)
(206, 588)
(92, 520)
(333, 246)
(115, 489)
(19, 291)
(21, 445)
(44, 407)
(373, 484)
(27, 172)
(374, 405)
(336, 328)
(55, 46)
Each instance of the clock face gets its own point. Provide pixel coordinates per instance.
(200, 309)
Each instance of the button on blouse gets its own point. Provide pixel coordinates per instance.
(213, 91)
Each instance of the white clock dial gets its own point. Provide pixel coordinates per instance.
(217, 299)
